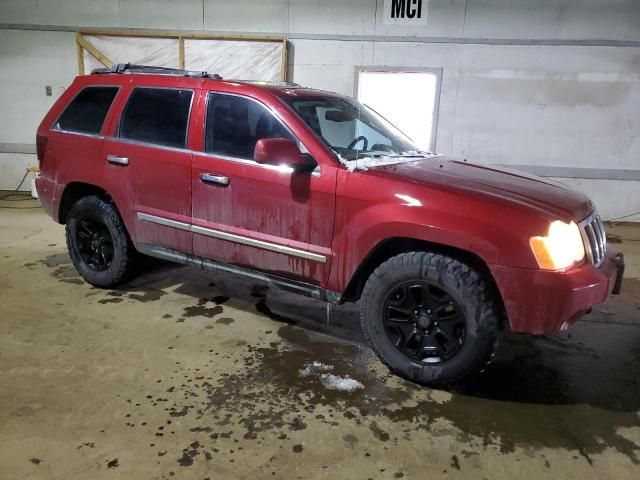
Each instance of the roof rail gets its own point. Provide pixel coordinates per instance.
(271, 83)
(149, 69)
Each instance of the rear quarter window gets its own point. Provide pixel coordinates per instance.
(87, 111)
(157, 116)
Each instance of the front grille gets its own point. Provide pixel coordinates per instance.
(595, 238)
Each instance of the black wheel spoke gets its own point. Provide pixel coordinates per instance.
(93, 243)
(446, 311)
(424, 322)
(417, 296)
(450, 328)
(397, 314)
(409, 334)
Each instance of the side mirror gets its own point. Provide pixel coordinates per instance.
(280, 151)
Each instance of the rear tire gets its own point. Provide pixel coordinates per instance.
(430, 318)
(98, 243)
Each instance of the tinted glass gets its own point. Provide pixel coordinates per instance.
(351, 129)
(86, 112)
(235, 124)
(159, 116)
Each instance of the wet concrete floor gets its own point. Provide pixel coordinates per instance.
(182, 374)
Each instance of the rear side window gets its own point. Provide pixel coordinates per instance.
(87, 111)
(159, 116)
(235, 124)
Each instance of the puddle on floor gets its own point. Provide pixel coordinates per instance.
(574, 391)
(529, 401)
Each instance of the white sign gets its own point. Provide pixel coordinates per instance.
(405, 12)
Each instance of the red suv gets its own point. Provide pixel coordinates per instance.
(316, 193)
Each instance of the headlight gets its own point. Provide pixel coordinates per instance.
(560, 248)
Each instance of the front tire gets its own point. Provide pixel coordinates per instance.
(430, 318)
(98, 243)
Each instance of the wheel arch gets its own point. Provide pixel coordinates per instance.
(393, 246)
(73, 192)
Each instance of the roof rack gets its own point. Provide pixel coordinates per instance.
(149, 69)
(271, 83)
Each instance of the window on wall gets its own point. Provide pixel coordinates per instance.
(409, 100)
(87, 111)
(155, 115)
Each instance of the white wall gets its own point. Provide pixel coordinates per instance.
(530, 83)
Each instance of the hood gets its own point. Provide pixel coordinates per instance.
(548, 197)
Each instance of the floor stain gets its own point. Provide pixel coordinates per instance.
(56, 260)
(202, 310)
(110, 300)
(267, 401)
(147, 295)
(234, 404)
(220, 299)
(225, 321)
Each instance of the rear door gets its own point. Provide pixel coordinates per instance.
(149, 152)
(75, 138)
(263, 217)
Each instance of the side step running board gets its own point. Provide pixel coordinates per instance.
(301, 288)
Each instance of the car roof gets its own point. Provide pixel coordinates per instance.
(146, 74)
(280, 89)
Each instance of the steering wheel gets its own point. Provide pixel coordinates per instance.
(365, 142)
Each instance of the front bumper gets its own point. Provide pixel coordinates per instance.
(539, 301)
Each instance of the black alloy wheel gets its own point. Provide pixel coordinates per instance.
(431, 318)
(424, 322)
(94, 243)
(98, 242)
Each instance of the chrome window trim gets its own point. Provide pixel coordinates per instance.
(275, 168)
(147, 144)
(314, 173)
(186, 131)
(54, 127)
(71, 132)
(231, 237)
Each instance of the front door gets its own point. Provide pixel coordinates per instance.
(258, 216)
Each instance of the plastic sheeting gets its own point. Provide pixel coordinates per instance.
(237, 59)
(162, 52)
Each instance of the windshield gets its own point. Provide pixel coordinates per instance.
(353, 130)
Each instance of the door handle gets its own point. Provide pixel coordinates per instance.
(117, 160)
(217, 179)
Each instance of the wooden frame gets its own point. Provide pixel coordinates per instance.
(83, 44)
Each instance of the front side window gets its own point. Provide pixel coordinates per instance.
(352, 130)
(235, 124)
(158, 116)
(87, 111)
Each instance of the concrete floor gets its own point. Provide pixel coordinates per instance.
(180, 374)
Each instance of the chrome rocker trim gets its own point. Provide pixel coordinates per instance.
(286, 284)
(231, 237)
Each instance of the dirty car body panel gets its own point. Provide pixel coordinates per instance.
(321, 226)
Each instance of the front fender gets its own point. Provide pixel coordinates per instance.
(367, 215)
